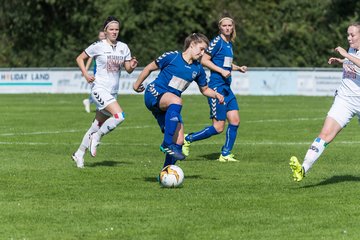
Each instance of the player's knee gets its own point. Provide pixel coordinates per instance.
(327, 136)
(235, 122)
(219, 128)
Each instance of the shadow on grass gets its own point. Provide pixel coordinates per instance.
(209, 156)
(106, 163)
(334, 180)
(154, 179)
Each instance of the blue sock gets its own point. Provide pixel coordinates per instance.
(203, 134)
(231, 133)
(172, 118)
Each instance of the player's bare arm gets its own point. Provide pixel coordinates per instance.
(206, 61)
(80, 60)
(138, 86)
(206, 91)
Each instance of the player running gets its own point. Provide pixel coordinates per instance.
(111, 55)
(163, 95)
(345, 106)
(219, 59)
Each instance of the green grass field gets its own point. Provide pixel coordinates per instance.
(116, 196)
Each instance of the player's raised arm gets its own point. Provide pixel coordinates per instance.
(347, 55)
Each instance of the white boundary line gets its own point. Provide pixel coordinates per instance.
(284, 120)
(265, 143)
(152, 126)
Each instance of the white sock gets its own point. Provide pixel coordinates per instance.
(110, 124)
(314, 152)
(86, 139)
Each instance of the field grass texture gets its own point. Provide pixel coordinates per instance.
(116, 196)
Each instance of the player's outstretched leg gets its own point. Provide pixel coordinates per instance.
(296, 168)
(197, 136)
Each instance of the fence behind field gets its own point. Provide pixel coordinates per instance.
(257, 81)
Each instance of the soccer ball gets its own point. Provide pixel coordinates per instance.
(171, 176)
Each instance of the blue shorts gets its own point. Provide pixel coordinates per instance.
(152, 99)
(217, 110)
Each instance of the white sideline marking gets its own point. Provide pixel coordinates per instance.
(65, 131)
(39, 133)
(155, 126)
(285, 120)
(198, 143)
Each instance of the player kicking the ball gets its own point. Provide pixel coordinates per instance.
(163, 95)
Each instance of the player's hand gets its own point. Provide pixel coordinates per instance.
(133, 62)
(138, 89)
(89, 78)
(225, 73)
(242, 69)
(219, 97)
(333, 60)
(341, 50)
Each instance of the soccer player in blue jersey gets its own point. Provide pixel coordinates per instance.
(163, 95)
(346, 103)
(219, 59)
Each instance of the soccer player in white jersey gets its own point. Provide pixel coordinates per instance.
(219, 59)
(111, 55)
(345, 106)
(163, 95)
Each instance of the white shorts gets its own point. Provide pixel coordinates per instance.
(102, 98)
(344, 109)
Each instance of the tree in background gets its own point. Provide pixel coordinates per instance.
(271, 33)
(46, 33)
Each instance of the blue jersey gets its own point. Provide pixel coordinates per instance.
(176, 74)
(222, 56)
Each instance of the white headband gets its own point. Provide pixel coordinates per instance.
(113, 21)
(226, 18)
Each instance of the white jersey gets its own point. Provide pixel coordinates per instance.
(109, 60)
(350, 84)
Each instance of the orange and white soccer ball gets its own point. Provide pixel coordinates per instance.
(171, 176)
